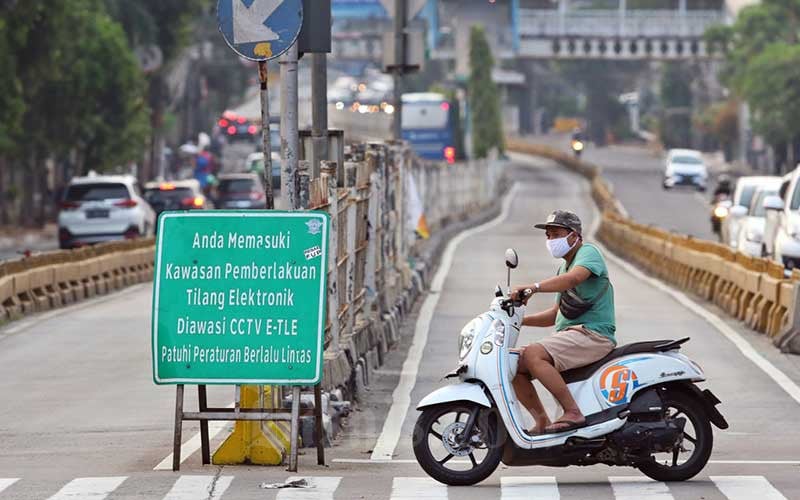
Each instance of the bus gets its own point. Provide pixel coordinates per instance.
(430, 125)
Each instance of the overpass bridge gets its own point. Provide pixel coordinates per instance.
(541, 29)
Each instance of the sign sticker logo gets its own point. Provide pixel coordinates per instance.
(314, 226)
(617, 383)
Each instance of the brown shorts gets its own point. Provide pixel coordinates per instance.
(576, 347)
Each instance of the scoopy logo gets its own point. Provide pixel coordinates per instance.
(617, 382)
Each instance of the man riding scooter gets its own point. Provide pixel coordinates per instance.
(583, 316)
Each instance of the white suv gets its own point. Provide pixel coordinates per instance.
(782, 231)
(103, 208)
(685, 167)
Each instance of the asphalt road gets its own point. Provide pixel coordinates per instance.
(79, 401)
(636, 174)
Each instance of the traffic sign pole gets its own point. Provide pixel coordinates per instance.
(400, 65)
(290, 140)
(266, 146)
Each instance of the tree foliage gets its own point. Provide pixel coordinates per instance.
(484, 97)
(763, 65)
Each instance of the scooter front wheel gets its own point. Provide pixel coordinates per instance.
(446, 455)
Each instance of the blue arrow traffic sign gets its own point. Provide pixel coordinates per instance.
(260, 30)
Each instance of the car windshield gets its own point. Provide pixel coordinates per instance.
(430, 115)
(160, 196)
(236, 186)
(687, 160)
(97, 192)
(747, 195)
(757, 206)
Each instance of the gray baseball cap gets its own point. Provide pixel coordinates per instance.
(562, 218)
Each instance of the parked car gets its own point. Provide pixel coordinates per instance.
(255, 164)
(743, 196)
(751, 228)
(103, 208)
(176, 195)
(782, 229)
(685, 167)
(243, 190)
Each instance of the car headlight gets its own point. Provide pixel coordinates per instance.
(720, 212)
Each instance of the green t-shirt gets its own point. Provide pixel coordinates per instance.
(599, 318)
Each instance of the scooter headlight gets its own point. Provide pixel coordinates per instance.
(499, 332)
(466, 338)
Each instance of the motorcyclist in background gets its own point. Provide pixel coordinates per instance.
(724, 187)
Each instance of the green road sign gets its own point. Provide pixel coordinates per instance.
(239, 297)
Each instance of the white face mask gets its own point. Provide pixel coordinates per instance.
(560, 247)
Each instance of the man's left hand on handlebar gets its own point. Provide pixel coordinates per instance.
(523, 293)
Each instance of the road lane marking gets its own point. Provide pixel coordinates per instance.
(194, 487)
(401, 397)
(88, 488)
(747, 350)
(747, 488)
(638, 488)
(417, 488)
(321, 488)
(526, 488)
(193, 444)
(5, 482)
(402, 461)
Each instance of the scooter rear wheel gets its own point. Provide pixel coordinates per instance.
(697, 436)
(438, 447)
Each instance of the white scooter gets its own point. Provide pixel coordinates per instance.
(641, 404)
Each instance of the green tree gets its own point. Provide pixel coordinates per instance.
(762, 65)
(166, 24)
(81, 96)
(484, 97)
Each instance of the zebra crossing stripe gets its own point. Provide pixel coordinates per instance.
(194, 487)
(526, 488)
(747, 488)
(321, 488)
(638, 488)
(5, 482)
(417, 488)
(88, 488)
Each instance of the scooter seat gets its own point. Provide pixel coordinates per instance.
(584, 372)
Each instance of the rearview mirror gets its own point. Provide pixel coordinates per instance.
(773, 203)
(512, 260)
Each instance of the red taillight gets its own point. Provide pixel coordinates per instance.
(252, 129)
(70, 205)
(193, 202)
(256, 195)
(242, 120)
(231, 130)
(224, 123)
(450, 154)
(445, 106)
(126, 203)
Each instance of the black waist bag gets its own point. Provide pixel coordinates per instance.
(572, 305)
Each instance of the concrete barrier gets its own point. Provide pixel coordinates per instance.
(55, 279)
